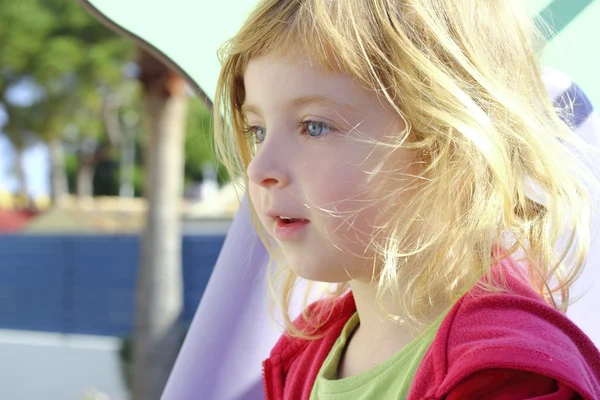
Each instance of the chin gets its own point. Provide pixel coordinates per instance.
(319, 273)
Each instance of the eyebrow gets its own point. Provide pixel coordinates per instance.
(300, 102)
(306, 100)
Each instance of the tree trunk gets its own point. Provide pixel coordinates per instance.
(91, 154)
(159, 297)
(58, 176)
(85, 180)
(19, 168)
(127, 173)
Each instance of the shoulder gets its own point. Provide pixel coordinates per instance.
(295, 362)
(322, 319)
(516, 336)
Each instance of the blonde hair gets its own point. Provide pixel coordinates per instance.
(464, 76)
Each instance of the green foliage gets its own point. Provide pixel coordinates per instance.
(69, 56)
(50, 39)
(106, 178)
(71, 165)
(75, 62)
(198, 141)
(20, 127)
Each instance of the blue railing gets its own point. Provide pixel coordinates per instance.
(85, 284)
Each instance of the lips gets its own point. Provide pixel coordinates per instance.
(290, 229)
(287, 227)
(284, 217)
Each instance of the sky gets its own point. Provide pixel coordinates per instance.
(36, 157)
(36, 168)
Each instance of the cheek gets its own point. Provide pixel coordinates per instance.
(357, 199)
(343, 198)
(255, 196)
(337, 188)
(253, 193)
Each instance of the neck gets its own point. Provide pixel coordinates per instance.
(376, 323)
(377, 336)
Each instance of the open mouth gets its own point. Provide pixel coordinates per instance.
(287, 228)
(287, 220)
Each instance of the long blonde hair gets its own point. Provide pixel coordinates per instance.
(464, 76)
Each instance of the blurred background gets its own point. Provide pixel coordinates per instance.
(77, 107)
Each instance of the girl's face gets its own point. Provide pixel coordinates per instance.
(317, 162)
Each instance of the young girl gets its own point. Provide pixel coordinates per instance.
(406, 152)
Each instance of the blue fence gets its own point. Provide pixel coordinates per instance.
(85, 284)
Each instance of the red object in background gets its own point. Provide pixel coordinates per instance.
(13, 221)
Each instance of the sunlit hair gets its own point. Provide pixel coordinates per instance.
(465, 78)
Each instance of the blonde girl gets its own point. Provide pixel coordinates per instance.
(406, 152)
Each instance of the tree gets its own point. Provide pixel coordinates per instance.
(198, 152)
(28, 124)
(98, 139)
(68, 55)
(159, 294)
(199, 144)
(19, 131)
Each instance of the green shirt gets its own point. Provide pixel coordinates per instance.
(389, 380)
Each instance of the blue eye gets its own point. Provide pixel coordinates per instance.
(259, 134)
(317, 129)
(256, 133)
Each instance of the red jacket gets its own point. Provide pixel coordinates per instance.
(489, 346)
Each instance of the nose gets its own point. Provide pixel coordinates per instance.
(269, 167)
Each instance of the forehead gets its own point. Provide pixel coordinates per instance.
(271, 78)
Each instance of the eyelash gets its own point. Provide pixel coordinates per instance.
(250, 131)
